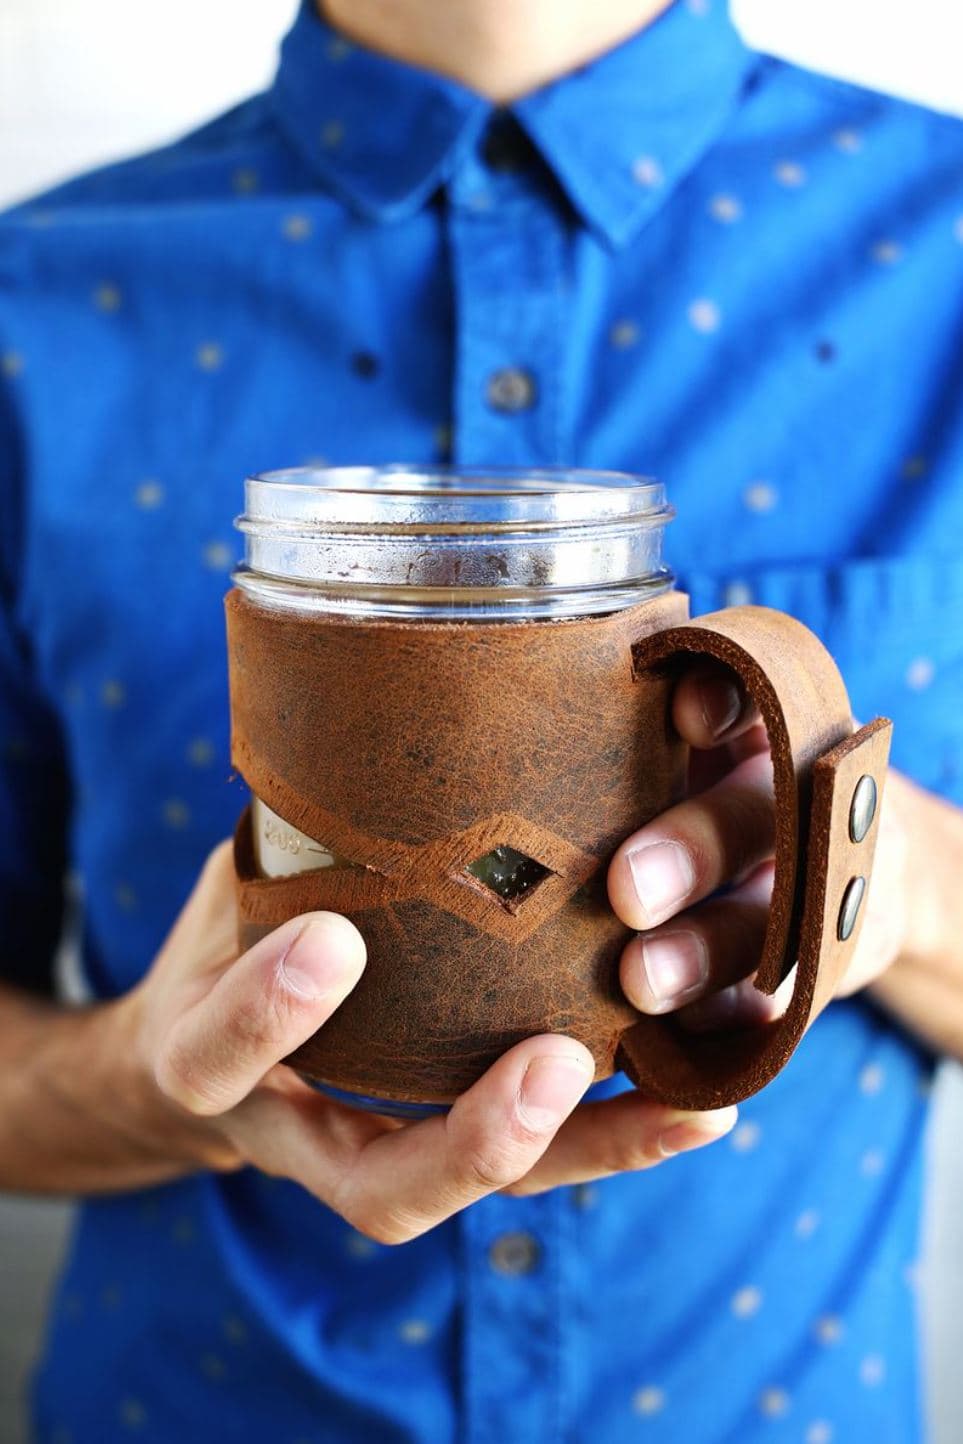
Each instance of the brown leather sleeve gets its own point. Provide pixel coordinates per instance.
(412, 749)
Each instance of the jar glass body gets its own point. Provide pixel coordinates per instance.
(469, 545)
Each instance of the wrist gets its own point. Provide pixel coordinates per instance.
(932, 839)
(125, 1091)
(924, 988)
(79, 1110)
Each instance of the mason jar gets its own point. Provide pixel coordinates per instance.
(432, 543)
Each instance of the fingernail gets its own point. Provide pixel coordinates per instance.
(676, 967)
(551, 1087)
(696, 1130)
(322, 957)
(663, 877)
(721, 703)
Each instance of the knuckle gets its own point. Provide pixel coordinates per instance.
(737, 836)
(526, 1134)
(486, 1158)
(385, 1226)
(366, 1209)
(490, 1166)
(255, 1024)
(525, 1188)
(181, 1081)
(629, 1153)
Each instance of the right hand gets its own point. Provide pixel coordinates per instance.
(208, 1090)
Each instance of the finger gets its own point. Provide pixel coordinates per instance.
(686, 853)
(708, 767)
(714, 945)
(621, 1135)
(262, 1007)
(710, 706)
(288, 1128)
(741, 1005)
(492, 1137)
(396, 1185)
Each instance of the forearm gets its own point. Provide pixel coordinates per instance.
(74, 1107)
(923, 989)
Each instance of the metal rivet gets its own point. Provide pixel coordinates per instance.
(511, 389)
(514, 1253)
(863, 808)
(849, 908)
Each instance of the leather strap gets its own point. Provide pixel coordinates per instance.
(817, 764)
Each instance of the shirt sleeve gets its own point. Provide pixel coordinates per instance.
(34, 788)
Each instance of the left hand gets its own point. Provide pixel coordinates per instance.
(696, 953)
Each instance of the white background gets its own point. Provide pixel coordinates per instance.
(84, 81)
(89, 80)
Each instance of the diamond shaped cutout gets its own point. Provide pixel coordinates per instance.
(507, 873)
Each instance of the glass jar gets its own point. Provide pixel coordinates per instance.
(475, 545)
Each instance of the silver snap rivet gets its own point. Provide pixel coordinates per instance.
(511, 389)
(863, 808)
(849, 908)
(514, 1254)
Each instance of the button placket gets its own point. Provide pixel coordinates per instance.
(508, 266)
(508, 257)
(516, 1337)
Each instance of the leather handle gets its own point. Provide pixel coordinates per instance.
(817, 764)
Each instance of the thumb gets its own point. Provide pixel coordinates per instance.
(262, 1007)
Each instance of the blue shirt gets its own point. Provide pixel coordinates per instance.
(708, 265)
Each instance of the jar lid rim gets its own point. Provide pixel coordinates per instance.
(400, 494)
(533, 540)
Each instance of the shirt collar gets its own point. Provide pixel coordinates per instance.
(619, 133)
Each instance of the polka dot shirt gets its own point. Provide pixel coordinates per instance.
(683, 259)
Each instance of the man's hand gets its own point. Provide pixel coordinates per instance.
(184, 1072)
(212, 1031)
(697, 953)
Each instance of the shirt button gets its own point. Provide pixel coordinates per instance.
(737, 594)
(511, 389)
(584, 1196)
(514, 1253)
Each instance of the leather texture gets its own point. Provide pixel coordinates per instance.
(411, 749)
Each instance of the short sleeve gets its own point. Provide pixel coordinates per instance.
(34, 789)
